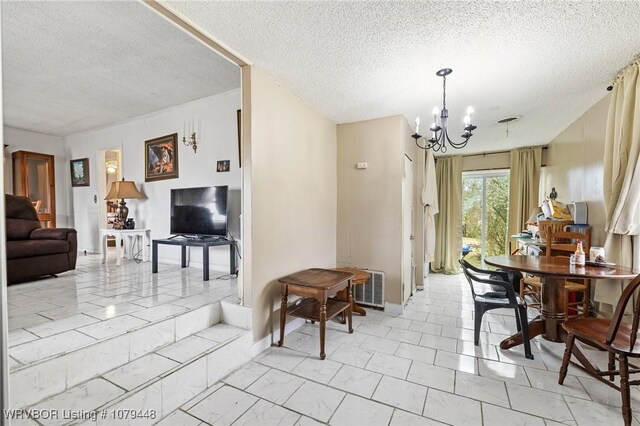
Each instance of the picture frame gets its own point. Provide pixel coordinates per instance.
(223, 166)
(80, 172)
(161, 158)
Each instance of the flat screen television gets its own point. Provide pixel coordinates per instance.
(199, 212)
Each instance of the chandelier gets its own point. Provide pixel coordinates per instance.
(439, 130)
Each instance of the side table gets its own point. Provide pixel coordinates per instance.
(119, 234)
(315, 286)
(359, 277)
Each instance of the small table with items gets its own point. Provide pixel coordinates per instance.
(130, 234)
(316, 286)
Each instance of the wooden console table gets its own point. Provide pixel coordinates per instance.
(359, 277)
(316, 286)
(205, 243)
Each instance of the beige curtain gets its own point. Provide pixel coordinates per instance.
(524, 185)
(621, 177)
(448, 221)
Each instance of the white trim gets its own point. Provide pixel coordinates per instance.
(393, 308)
(268, 341)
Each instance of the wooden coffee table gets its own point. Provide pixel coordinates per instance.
(316, 286)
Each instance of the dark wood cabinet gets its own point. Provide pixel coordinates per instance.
(34, 177)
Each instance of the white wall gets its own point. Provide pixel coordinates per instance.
(24, 140)
(370, 200)
(218, 140)
(291, 225)
(575, 162)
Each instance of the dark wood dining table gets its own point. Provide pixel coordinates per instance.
(553, 271)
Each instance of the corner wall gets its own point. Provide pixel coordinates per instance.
(370, 200)
(292, 223)
(575, 162)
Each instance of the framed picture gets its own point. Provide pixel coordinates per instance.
(161, 158)
(223, 166)
(80, 172)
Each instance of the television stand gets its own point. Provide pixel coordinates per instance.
(195, 242)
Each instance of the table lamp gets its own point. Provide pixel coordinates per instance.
(123, 189)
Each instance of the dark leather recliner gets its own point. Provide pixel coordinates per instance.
(32, 251)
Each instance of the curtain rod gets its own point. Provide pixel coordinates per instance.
(495, 152)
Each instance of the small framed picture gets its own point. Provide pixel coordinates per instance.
(80, 172)
(161, 158)
(223, 166)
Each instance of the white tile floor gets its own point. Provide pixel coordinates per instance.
(417, 368)
(96, 301)
(431, 375)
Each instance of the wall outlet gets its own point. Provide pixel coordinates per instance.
(361, 165)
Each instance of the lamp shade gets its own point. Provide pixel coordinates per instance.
(123, 189)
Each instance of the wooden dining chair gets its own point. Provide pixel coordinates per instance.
(498, 293)
(563, 243)
(614, 336)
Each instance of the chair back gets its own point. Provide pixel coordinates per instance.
(483, 276)
(618, 314)
(564, 243)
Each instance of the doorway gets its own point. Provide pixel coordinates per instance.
(408, 279)
(485, 212)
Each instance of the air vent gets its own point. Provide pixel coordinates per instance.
(371, 293)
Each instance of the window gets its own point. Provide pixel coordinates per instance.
(485, 209)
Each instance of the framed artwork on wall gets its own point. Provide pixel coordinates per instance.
(223, 166)
(80, 172)
(161, 158)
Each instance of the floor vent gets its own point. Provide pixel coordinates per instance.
(371, 293)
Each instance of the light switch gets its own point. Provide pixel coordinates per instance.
(361, 166)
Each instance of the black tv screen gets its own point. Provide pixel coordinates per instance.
(199, 211)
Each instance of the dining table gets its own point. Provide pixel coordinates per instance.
(553, 271)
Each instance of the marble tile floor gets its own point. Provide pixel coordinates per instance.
(419, 368)
(97, 301)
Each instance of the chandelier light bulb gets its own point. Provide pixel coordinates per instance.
(417, 124)
(467, 119)
(436, 111)
(469, 110)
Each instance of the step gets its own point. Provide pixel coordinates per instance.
(75, 357)
(157, 383)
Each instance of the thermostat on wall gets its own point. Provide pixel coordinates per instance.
(361, 165)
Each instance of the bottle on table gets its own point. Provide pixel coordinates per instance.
(579, 255)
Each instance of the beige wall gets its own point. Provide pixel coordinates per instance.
(291, 150)
(370, 200)
(575, 165)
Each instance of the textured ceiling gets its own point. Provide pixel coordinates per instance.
(73, 66)
(545, 61)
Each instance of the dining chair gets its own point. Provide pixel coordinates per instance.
(563, 243)
(614, 336)
(496, 293)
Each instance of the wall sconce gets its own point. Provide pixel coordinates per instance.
(192, 142)
(112, 167)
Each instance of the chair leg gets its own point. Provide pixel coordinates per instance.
(624, 389)
(479, 312)
(567, 356)
(518, 321)
(521, 312)
(612, 364)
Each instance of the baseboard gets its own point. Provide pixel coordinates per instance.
(393, 308)
(266, 342)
